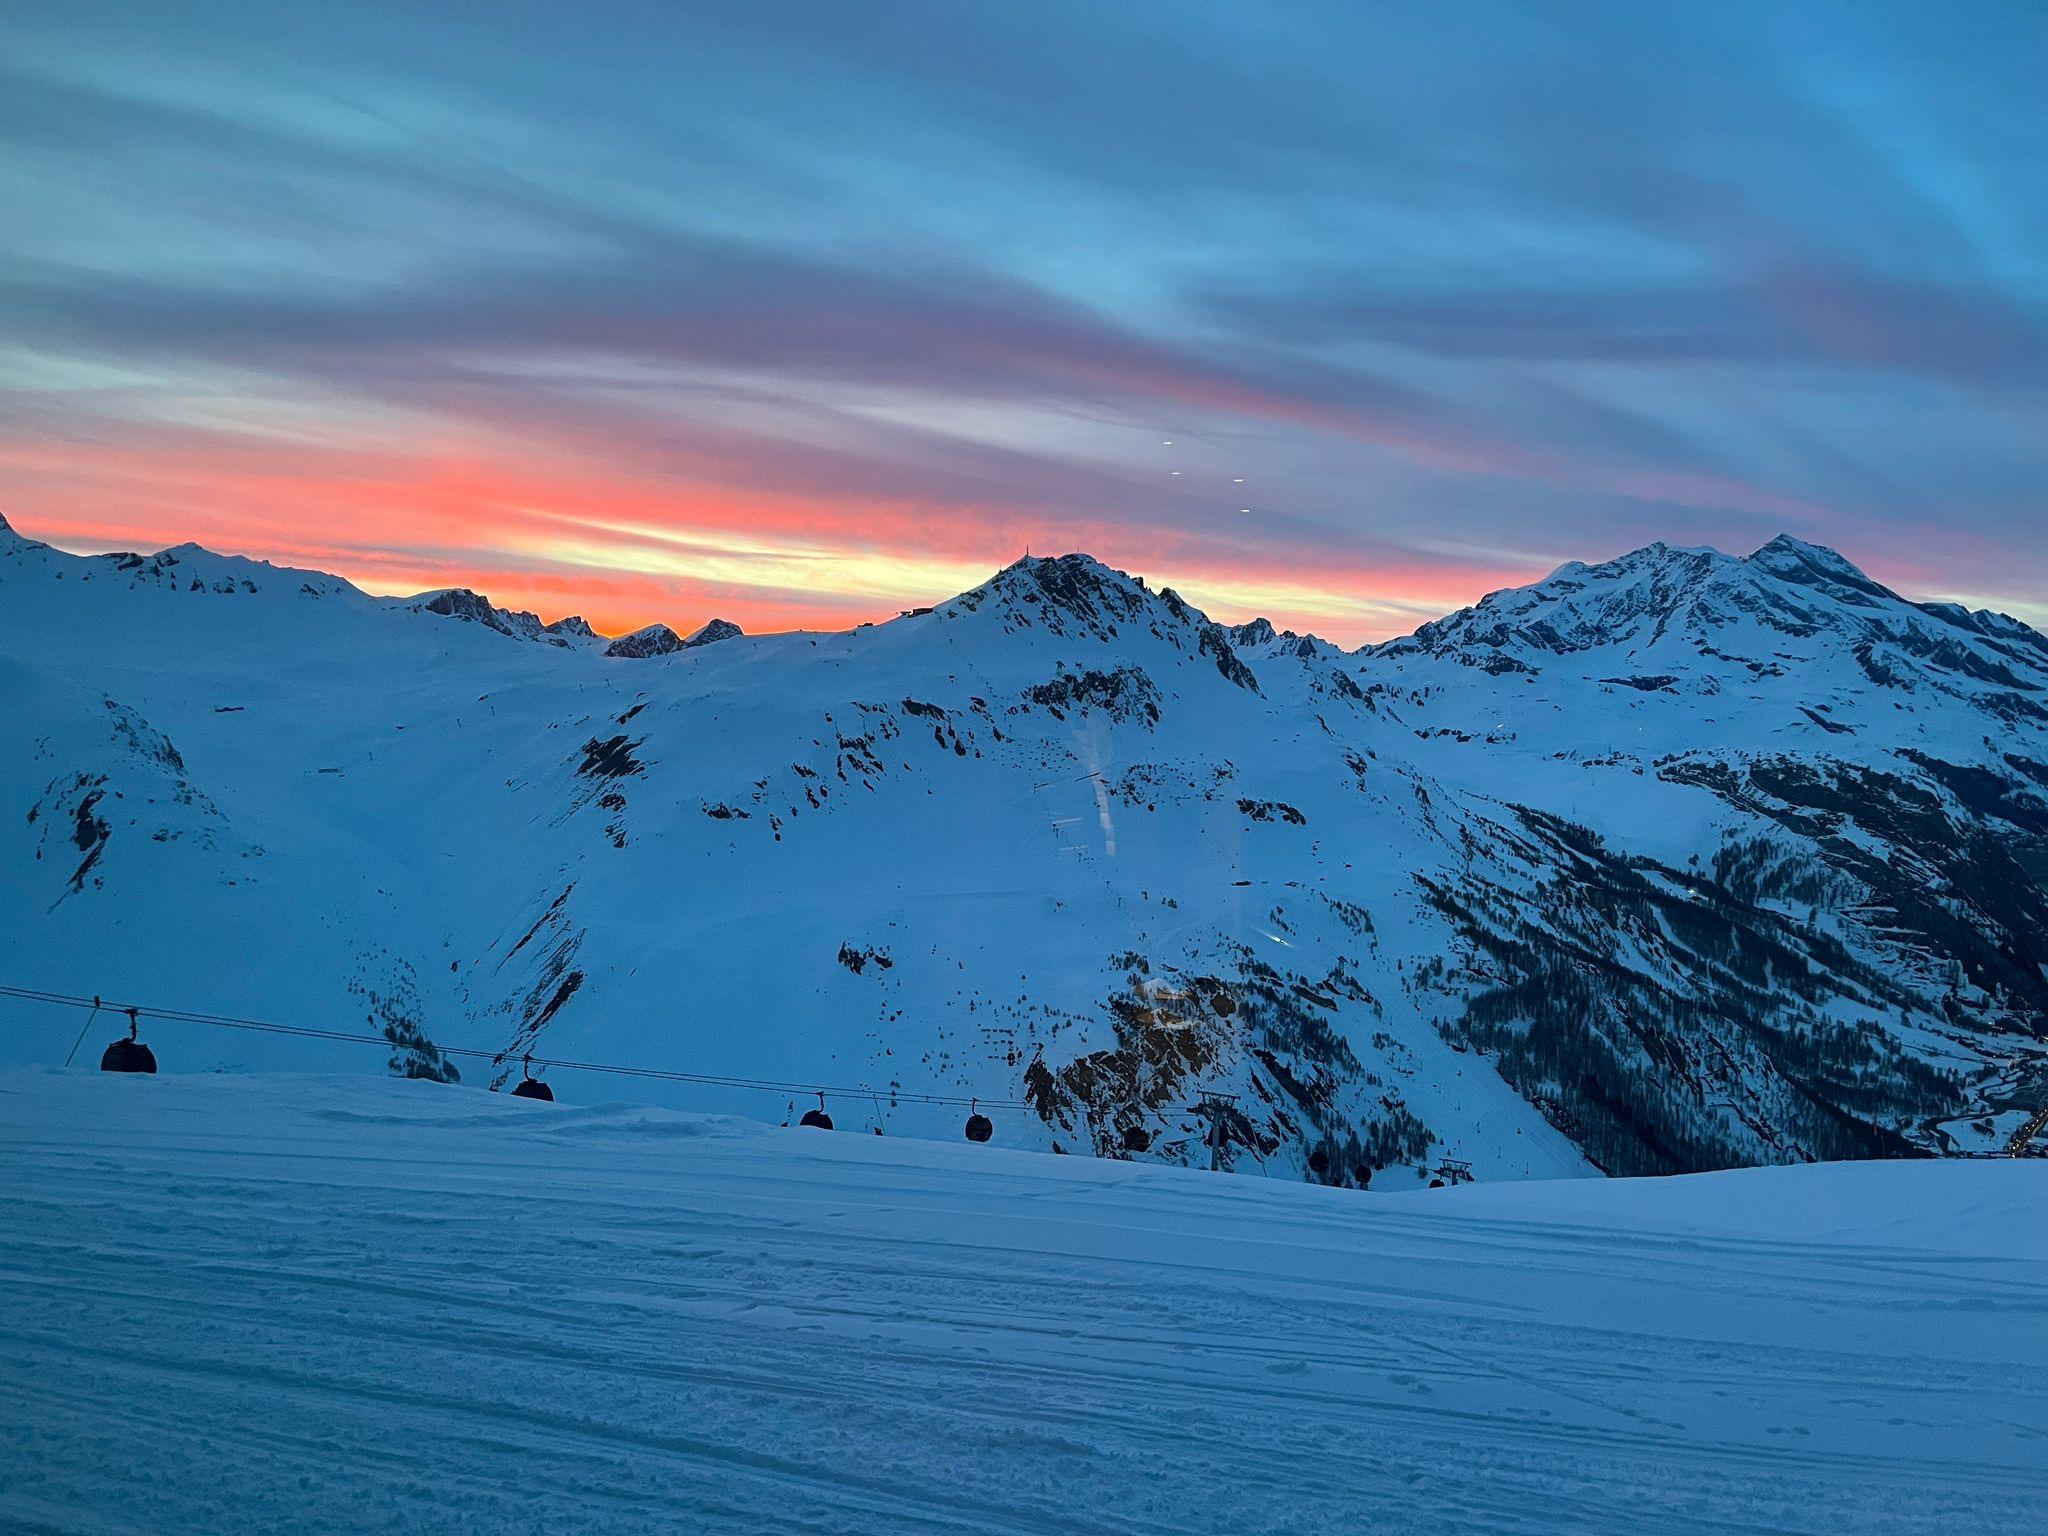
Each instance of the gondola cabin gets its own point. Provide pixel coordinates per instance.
(529, 1086)
(129, 1055)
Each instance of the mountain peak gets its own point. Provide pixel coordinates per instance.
(1078, 597)
(1064, 593)
(1750, 618)
(1786, 545)
(653, 640)
(474, 608)
(1259, 637)
(1795, 560)
(1070, 580)
(713, 632)
(1259, 631)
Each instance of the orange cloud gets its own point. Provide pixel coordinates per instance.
(540, 532)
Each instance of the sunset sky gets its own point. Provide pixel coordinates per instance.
(802, 314)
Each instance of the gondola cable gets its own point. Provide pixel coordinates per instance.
(659, 1074)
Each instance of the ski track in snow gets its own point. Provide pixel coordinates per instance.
(323, 1304)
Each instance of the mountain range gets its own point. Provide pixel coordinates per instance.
(1679, 861)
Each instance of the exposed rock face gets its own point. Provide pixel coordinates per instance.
(475, 608)
(654, 640)
(715, 631)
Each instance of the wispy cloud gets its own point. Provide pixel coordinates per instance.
(816, 309)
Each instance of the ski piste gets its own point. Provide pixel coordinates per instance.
(333, 1303)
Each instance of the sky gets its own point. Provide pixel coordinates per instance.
(802, 314)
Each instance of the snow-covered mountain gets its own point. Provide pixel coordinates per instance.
(461, 603)
(1678, 861)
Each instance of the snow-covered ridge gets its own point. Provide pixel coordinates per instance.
(473, 608)
(1662, 600)
(660, 640)
(186, 567)
(1677, 861)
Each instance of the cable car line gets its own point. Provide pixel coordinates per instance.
(309, 1032)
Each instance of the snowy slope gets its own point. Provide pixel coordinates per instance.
(337, 1304)
(1546, 887)
(1851, 791)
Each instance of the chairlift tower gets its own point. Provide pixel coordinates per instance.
(1213, 1107)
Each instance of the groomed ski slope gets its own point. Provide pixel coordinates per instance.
(259, 1304)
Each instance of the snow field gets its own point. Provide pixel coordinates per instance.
(241, 1304)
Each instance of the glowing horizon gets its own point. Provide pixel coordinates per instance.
(911, 583)
(626, 599)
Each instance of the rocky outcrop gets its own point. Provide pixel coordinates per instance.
(654, 640)
(713, 632)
